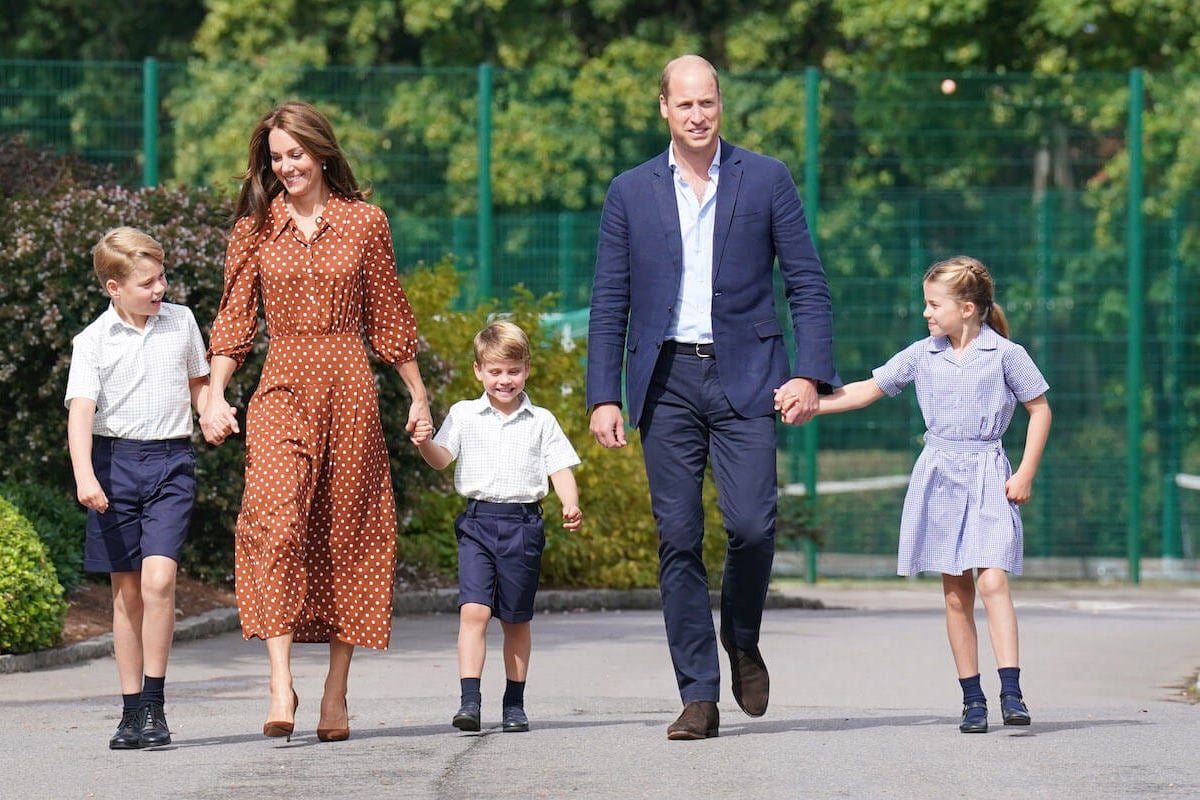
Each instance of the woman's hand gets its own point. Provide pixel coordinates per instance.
(218, 420)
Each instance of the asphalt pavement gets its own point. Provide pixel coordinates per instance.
(864, 704)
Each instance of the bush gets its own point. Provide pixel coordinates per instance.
(32, 608)
(50, 294)
(59, 522)
(618, 545)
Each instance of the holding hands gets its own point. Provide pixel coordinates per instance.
(420, 428)
(796, 401)
(218, 420)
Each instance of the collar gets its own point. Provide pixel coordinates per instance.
(481, 405)
(714, 167)
(279, 218)
(111, 319)
(987, 339)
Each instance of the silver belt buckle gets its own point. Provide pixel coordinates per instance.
(700, 345)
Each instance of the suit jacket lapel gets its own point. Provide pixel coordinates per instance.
(668, 213)
(727, 194)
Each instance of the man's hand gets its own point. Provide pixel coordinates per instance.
(796, 400)
(608, 425)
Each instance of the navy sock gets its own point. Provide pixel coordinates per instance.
(470, 690)
(131, 702)
(1010, 681)
(514, 694)
(152, 689)
(971, 690)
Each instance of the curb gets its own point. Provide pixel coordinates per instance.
(202, 626)
(437, 601)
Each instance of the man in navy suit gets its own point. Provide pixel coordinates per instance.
(684, 298)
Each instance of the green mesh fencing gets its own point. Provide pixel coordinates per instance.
(506, 170)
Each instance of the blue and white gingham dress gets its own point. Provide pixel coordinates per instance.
(956, 515)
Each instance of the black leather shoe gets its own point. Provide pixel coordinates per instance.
(699, 720)
(974, 717)
(154, 730)
(467, 718)
(1012, 708)
(751, 683)
(514, 720)
(129, 732)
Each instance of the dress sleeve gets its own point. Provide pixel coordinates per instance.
(1022, 375)
(391, 326)
(236, 324)
(899, 371)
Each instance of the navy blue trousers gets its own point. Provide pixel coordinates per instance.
(689, 423)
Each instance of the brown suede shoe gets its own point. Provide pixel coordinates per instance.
(699, 720)
(751, 683)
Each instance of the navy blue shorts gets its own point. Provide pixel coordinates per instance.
(500, 557)
(151, 488)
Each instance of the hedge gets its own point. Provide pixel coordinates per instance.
(49, 295)
(32, 608)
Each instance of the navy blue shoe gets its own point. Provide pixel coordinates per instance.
(1012, 708)
(974, 717)
(514, 720)
(467, 718)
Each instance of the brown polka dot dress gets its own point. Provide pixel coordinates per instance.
(316, 536)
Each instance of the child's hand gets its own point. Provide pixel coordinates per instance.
(92, 496)
(1018, 489)
(572, 518)
(218, 420)
(422, 430)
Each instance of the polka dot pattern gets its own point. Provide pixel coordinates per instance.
(316, 536)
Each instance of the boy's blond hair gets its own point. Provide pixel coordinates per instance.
(118, 251)
(502, 341)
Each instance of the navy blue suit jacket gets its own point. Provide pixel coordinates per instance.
(639, 265)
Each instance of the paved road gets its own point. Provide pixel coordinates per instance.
(863, 705)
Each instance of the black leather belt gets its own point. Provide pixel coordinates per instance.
(700, 350)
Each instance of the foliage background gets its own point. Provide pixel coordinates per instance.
(1027, 164)
(51, 294)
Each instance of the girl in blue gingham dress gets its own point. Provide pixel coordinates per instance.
(961, 515)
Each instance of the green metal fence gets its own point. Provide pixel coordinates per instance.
(1078, 191)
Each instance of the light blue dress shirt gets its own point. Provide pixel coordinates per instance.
(693, 307)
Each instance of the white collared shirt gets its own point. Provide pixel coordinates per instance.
(693, 306)
(139, 378)
(504, 459)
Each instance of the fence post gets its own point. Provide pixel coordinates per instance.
(484, 219)
(1172, 447)
(812, 208)
(150, 122)
(1045, 283)
(1134, 339)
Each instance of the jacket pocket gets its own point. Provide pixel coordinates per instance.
(768, 328)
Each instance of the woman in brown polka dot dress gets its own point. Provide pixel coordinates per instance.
(316, 536)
